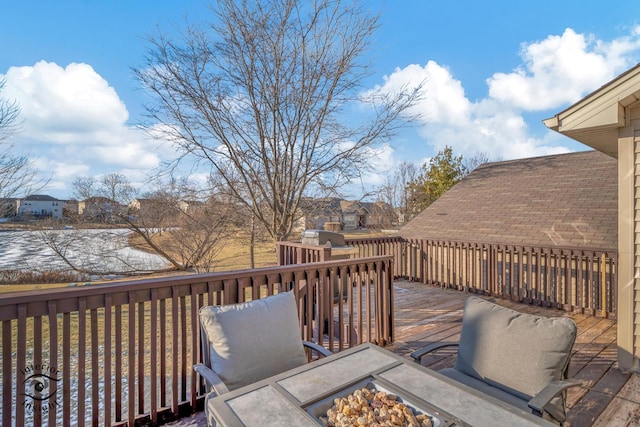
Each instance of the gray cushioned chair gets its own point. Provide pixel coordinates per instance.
(518, 358)
(247, 342)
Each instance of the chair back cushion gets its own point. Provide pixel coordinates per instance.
(255, 340)
(518, 353)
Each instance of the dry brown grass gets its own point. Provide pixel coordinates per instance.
(233, 254)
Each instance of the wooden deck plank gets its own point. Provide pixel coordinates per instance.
(623, 411)
(605, 390)
(592, 405)
(426, 314)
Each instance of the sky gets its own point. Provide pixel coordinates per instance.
(493, 70)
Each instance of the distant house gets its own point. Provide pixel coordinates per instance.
(73, 208)
(346, 215)
(317, 212)
(380, 215)
(39, 206)
(143, 206)
(566, 200)
(101, 209)
(354, 215)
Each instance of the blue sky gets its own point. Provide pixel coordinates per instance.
(494, 70)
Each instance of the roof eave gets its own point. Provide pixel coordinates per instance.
(595, 119)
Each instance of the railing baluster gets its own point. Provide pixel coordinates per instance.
(183, 348)
(175, 321)
(118, 363)
(37, 361)
(334, 285)
(66, 369)
(21, 362)
(82, 339)
(106, 396)
(342, 286)
(140, 339)
(163, 349)
(131, 371)
(195, 346)
(7, 369)
(95, 374)
(580, 283)
(153, 355)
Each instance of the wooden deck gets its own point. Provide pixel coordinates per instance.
(608, 396)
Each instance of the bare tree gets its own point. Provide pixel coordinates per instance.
(9, 115)
(478, 159)
(395, 191)
(196, 238)
(17, 171)
(175, 222)
(261, 96)
(117, 187)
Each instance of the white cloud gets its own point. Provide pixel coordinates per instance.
(77, 124)
(445, 100)
(382, 165)
(66, 105)
(561, 69)
(555, 72)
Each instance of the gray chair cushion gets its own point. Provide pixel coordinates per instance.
(518, 353)
(254, 340)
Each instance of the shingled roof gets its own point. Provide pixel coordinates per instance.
(568, 200)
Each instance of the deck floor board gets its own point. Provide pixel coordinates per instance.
(607, 396)
(425, 314)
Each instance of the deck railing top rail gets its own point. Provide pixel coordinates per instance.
(38, 300)
(417, 240)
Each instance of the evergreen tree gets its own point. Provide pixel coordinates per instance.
(441, 173)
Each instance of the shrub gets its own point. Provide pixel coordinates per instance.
(17, 277)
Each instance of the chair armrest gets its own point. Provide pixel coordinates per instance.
(316, 347)
(420, 353)
(542, 399)
(212, 379)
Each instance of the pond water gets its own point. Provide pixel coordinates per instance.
(99, 250)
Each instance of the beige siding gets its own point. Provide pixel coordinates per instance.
(628, 244)
(636, 288)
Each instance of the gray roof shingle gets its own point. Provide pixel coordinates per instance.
(568, 200)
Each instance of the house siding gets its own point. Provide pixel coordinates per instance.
(608, 120)
(635, 335)
(41, 206)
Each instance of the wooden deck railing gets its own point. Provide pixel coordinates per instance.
(292, 253)
(571, 279)
(121, 353)
(567, 278)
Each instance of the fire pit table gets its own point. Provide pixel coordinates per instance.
(301, 396)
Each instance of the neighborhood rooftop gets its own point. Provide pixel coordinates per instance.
(560, 200)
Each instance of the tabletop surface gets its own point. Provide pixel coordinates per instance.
(295, 397)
